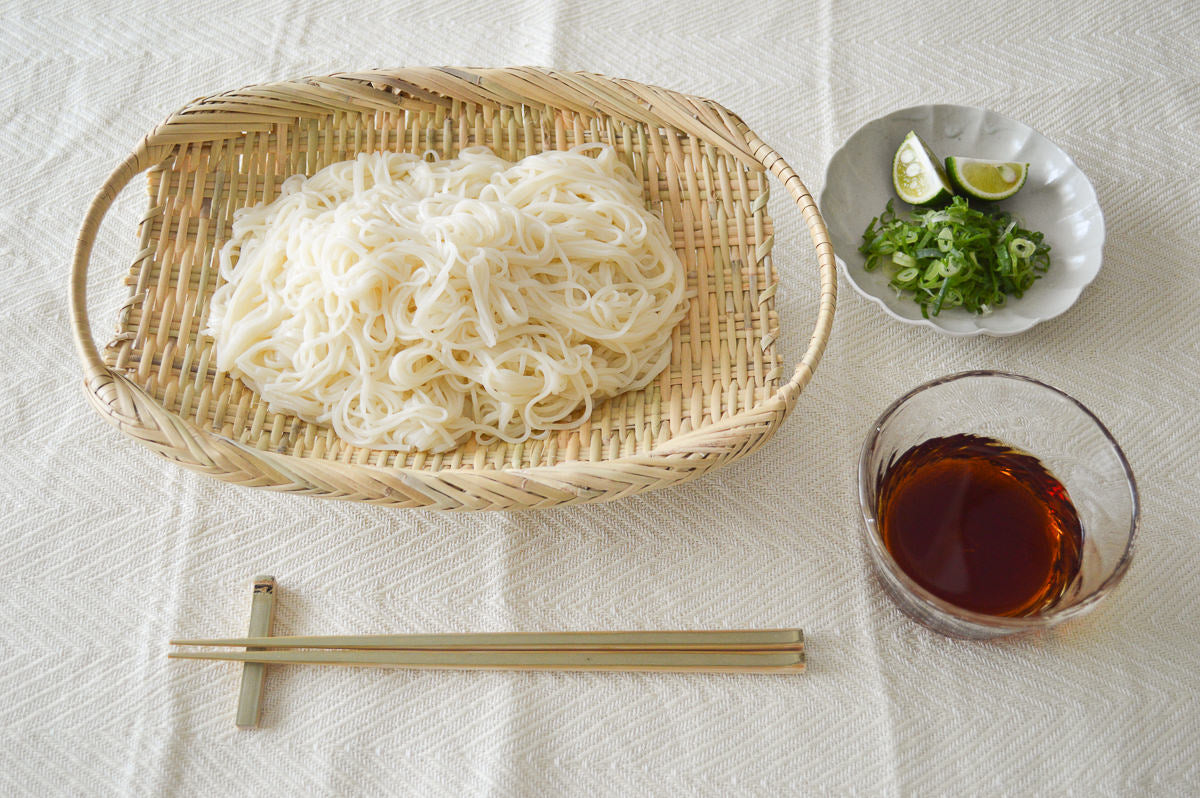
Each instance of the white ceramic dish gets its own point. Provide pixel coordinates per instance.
(1057, 199)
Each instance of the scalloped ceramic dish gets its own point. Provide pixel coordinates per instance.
(1057, 199)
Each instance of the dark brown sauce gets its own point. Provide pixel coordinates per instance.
(982, 525)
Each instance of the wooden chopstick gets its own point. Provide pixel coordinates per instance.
(720, 640)
(788, 660)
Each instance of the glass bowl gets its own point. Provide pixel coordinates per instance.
(1043, 421)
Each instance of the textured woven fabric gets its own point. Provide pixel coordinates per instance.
(107, 551)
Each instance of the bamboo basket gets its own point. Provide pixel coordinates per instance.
(703, 169)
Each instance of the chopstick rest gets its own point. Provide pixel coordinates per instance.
(262, 619)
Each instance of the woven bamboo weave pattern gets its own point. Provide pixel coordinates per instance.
(702, 169)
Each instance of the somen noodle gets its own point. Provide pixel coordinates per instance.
(409, 303)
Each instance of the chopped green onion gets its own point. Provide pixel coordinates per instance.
(945, 239)
(1022, 247)
(946, 269)
(956, 256)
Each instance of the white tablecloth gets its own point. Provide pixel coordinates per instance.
(107, 551)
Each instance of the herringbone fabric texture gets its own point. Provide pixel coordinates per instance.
(107, 550)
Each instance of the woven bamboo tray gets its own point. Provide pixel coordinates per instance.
(722, 396)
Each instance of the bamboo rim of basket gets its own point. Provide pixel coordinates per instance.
(118, 398)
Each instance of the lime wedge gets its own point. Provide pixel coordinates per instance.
(986, 180)
(917, 173)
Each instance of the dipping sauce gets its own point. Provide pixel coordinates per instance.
(981, 525)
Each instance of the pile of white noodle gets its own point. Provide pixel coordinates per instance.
(409, 303)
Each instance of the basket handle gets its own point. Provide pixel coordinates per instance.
(96, 374)
(788, 392)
